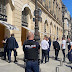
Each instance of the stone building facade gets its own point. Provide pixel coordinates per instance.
(67, 23)
(20, 13)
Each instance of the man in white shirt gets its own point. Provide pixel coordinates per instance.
(63, 47)
(44, 46)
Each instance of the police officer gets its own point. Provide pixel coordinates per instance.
(69, 46)
(57, 48)
(30, 48)
(70, 53)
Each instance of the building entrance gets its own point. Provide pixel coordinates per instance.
(2, 34)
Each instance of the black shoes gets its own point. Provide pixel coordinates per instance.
(15, 61)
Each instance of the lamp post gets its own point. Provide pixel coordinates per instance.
(36, 22)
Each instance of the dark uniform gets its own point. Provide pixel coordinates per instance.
(30, 49)
(57, 48)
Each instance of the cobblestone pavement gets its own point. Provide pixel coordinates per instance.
(48, 67)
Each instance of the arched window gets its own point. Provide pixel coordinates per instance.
(45, 25)
(25, 13)
(3, 10)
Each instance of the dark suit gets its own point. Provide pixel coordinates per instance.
(11, 45)
(57, 48)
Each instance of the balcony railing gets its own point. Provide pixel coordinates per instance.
(24, 24)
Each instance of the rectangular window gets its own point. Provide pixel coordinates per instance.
(49, 3)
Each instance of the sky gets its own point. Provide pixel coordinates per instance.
(68, 4)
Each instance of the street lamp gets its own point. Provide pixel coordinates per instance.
(37, 37)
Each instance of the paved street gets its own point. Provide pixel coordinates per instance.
(48, 67)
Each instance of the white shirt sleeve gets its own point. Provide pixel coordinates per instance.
(70, 43)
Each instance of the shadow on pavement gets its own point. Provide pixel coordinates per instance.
(69, 66)
(21, 65)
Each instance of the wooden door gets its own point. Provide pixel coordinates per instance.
(23, 35)
(2, 32)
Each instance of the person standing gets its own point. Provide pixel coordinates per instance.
(69, 46)
(48, 48)
(70, 53)
(12, 45)
(49, 42)
(31, 49)
(44, 46)
(63, 48)
(5, 47)
(57, 48)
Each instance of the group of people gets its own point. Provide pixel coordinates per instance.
(31, 50)
(64, 44)
(57, 46)
(10, 44)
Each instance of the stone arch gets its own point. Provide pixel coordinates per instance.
(26, 21)
(26, 5)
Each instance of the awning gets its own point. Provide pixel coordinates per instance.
(28, 29)
(47, 33)
(9, 26)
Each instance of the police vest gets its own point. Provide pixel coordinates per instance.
(31, 50)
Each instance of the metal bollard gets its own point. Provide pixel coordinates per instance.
(57, 69)
(61, 63)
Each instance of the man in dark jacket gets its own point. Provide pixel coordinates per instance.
(12, 45)
(30, 48)
(57, 48)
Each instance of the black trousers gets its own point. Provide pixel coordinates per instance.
(44, 54)
(63, 52)
(48, 55)
(9, 56)
(5, 51)
(56, 53)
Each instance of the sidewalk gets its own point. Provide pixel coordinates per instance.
(48, 67)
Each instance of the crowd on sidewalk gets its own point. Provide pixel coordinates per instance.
(31, 50)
